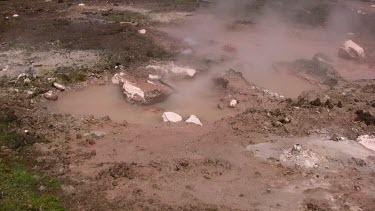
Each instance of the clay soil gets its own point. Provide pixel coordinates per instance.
(241, 160)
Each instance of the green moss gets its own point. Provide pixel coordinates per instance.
(69, 75)
(20, 189)
(7, 137)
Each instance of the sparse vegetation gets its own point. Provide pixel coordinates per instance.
(21, 189)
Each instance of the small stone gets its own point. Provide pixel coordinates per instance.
(336, 137)
(58, 86)
(106, 118)
(329, 104)
(81, 4)
(297, 148)
(51, 79)
(233, 103)
(171, 117)
(316, 102)
(194, 119)
(27, 81)
(50, 96)
(30, 94)
(220, 106)
(154, 77)
(285, 120)
(15, 16)
(142, 31)
(277, 124)
(22, 75)
(339, 104)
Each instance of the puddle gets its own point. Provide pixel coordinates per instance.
(355, 71)
(283, 84)
(254, 50)
(108, 100)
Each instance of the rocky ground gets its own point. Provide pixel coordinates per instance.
(257, 149)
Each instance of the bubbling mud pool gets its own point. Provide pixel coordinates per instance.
(108, 100)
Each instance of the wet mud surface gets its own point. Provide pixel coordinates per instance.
(283, 117)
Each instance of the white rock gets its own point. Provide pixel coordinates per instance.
(350, 50)
(367, 141)
(140, 91)
(117, 78)
(132, 91)
(183, 70)
(150, 82)
(373, 5)
(27, 81)
(158, 68)
(142, 31)
(50, 96)
(15, 16)
(81, 4)
(194, 119)
(22, 75)
(171, 117)
(173, 69)
(233, 103)
(154, 77)
(29, 93)
(361, 12)
(51, 79)
(58, 86)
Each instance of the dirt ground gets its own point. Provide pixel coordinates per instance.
(293, 141)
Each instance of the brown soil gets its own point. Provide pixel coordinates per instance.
(110, 155)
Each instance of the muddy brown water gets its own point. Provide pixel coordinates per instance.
(108, 100)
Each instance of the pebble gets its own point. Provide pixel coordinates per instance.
(58, 86)
(194, 119)
(50, 96)
(27, 81)
(233, 103)
(171, 117)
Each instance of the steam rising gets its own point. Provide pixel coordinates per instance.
(251, 36)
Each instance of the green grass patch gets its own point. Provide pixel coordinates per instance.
(70, 75)
(21, 189)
